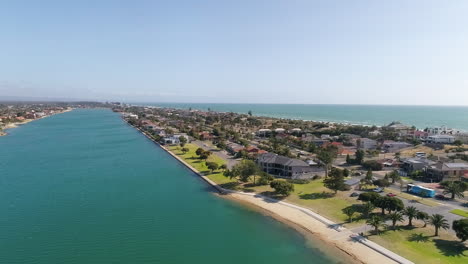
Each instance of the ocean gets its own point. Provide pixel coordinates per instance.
(420, 116)
(84, 187)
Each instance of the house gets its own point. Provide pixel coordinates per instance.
(263, 132)
(234, 148)
(416, 164)
(375, 133)
(252, 150)
(394, 146)
(400, 128)
(441, 139)
(205, 135)
(284, 166)
(421, 135)
(280, 130)
(364, 143)
(462, 136)
(442, 171)
(174, 139)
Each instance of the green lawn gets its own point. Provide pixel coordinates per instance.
(420, 246)
(460, 212)
(191, 158)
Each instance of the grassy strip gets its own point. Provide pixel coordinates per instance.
(417, 199)
(420, 246)
(460, 212)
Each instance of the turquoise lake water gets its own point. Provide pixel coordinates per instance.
(419, 116)
(84, 187)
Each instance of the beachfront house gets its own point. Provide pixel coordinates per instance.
(174, 139)
(411, 165)
(286, 167)
(442, 171)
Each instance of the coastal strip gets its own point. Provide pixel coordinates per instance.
(17, 124)
(357, 247)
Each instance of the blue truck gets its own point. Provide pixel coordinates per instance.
(421, 191)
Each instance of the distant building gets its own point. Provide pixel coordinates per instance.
(365, 143)
(416, 164)
(441, 139)
(394, 146)
(174, 139)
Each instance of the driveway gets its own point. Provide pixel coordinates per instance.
(230, 161)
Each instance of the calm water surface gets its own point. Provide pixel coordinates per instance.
(83, 187)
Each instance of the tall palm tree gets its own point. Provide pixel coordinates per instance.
(395, 217)
(438, 221)
(376, 222)
(411, 212)
(423, 216)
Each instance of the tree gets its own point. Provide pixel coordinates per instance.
(438, 221)
(381, 183)
(382, 203)
(349, 211)
(411, 212)
(454, 188)
(282, 187)
(336, 181)
(394, 204)
(423, 216)
(346, 172)
(250, 112)
(395, 217)
(265, 178)
(376, 222)
(223, 167)
(359, 156)
(366, 209)
(185, 150)
(461, 228)
(245, 169)
(183, 141)
(212, 166)
(348, 159)
(205, 155)
(372, 164)
(458, 143)
(199, 151)
(395, 176)
(326, 157)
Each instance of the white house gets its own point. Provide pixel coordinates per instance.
(174, 139)
(365, 143)
(441, 139)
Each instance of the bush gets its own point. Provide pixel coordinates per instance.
(372, 165)
(265, 179)
(368, 196)
(299, 181)
(316, 177)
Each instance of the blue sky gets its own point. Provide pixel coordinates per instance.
(340, 52)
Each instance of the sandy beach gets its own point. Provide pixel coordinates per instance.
(294, 217)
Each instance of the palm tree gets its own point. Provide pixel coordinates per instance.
(423, 216)
(411, 213)
(455, 189)
(376, 222)
(395, 217)
(395, 176)
(438, 221)
(367, 209)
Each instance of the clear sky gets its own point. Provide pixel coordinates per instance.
(350, 52)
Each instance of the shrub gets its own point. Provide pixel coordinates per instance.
(316, 177)
(299, 181)
(372, 165)
(282, 187)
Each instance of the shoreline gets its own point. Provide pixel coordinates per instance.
(324, 121)
(26, 121)
(358, 248)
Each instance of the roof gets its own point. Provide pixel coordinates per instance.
(282, 160)
(450, 166)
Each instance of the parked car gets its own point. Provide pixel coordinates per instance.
(391, 194)
(440, 197)
(354, 194)
(378, 190)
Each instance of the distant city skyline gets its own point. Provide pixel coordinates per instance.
(288, 52)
